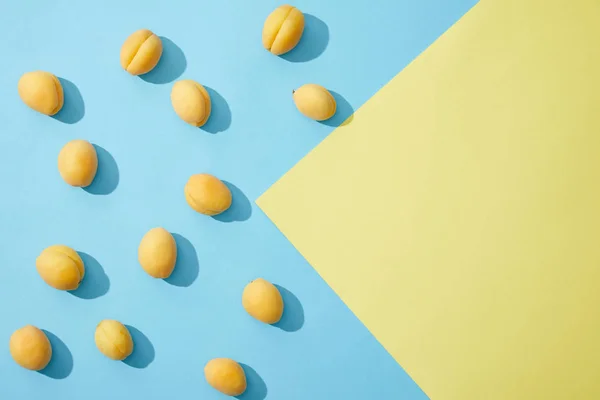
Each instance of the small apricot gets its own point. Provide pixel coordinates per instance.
(262, 300)
(141, 52)
(60, 267)
(113, 339)
(157, 253)
(41, 91)
(191, 102)
(283, 29)
(207, 194)
(78, 163)
(315, 102)
(226, 376)
(30, 348)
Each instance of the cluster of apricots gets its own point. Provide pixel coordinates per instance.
(62, 268)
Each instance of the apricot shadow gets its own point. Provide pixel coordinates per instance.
(143, 350)
(172, 64)
(256, 388)
(95, 281)
(344, 113)
(293, 312)
(107, 177)
(220, 114)
(313, 42)
(187, 266)
(240, 209)
(73, 108)
(61, 363)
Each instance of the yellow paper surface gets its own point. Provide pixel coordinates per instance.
(458, 214)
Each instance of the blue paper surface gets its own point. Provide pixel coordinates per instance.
(255, 134)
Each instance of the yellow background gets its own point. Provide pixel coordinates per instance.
(458, 213)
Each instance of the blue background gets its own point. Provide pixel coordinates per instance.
(319, 350)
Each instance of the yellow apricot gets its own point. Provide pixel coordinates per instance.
(191, 102)
(113, 339)
(30, 348)
(226, 376)
(157, 253)
(78, 163)
(60, 267)
(207, 194)
(283, 29)
(315, 102)
(41, 91)
(140, 52)
(262, 300)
